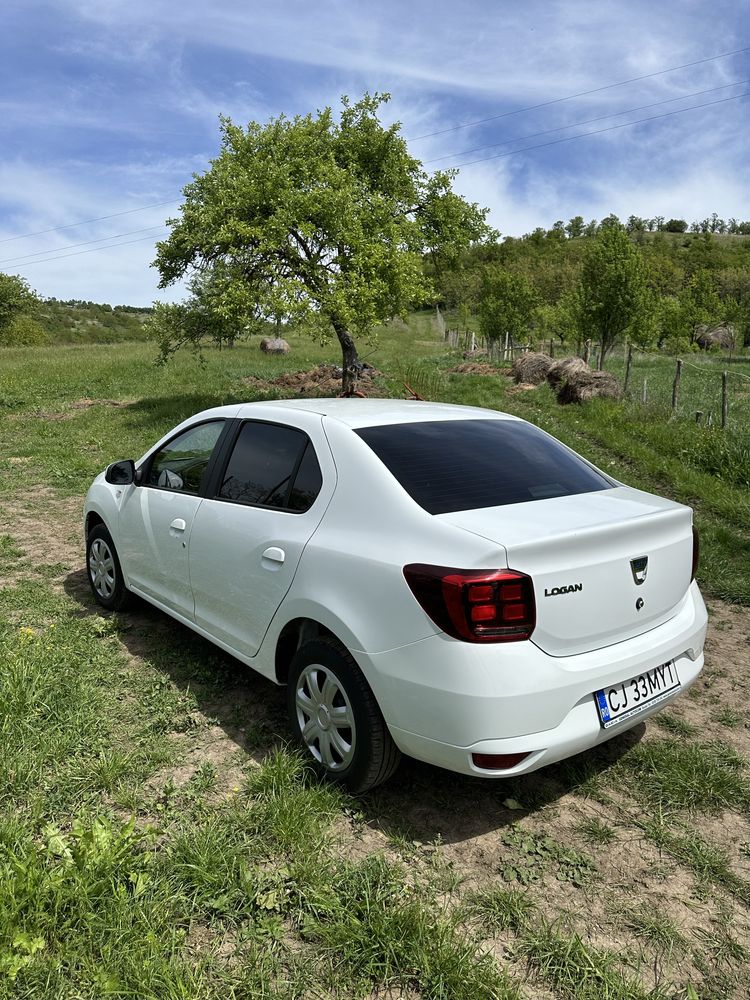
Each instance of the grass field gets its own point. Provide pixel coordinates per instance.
(158, 840)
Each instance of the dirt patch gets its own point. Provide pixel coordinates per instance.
(715, 705)
(71, 409)
(46, 528)
(325, 380)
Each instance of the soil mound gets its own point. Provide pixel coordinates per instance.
(324, 380)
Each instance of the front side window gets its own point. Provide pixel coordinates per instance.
(181, 463)
(272, 466)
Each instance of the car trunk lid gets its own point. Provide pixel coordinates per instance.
(606, 566)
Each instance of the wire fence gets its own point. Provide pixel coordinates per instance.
(713, 390)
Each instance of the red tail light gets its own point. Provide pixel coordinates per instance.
(696, 553)
(475, 605)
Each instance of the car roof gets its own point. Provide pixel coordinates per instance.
(355, 412)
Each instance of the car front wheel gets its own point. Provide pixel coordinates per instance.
(335, 718)
(104, 572)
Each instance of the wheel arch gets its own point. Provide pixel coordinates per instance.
(294, 634)
(92, 519)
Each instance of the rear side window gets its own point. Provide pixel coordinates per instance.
(272, 466)
(452, 465)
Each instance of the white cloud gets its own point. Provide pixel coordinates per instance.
(133, 112)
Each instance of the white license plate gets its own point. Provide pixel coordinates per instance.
(623, 701)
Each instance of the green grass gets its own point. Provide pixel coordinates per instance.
(709, 863)
(673, 775)
(136, 860)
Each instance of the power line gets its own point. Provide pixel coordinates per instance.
(599, 131)
(483, 159)
(78, 253)
(583, 93)
(454, 128)
(85, 222)
(587, 121)
(86, 243)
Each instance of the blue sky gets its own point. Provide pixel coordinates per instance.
(107, 107)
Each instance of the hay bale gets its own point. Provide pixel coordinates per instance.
(274, 345)
(718, 336)
(581, 386)
(531, 368)
(563, 370)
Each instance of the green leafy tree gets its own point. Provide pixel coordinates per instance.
(700, 305)
(316, 221)
(575, 227)
(612, 296)
(557, 321)
(16, 300)
(506, 304)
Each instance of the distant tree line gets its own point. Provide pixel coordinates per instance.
(28, 319)
(577, 226)
(651, 282)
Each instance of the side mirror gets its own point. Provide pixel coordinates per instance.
(121, 473)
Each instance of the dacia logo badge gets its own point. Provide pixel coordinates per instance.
(639, 569)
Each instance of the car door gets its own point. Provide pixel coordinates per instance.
(248, 538)
(156, 516)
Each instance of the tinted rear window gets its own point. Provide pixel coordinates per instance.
(467, 464)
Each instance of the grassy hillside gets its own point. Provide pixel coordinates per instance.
(77, 322)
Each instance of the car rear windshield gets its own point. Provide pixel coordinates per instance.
(451, 465)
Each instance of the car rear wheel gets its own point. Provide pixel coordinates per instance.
(335, 718)
(104, 572)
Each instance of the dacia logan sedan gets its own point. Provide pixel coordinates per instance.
(448, 582)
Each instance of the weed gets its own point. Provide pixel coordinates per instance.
(674, 724)
(385, 935)
(596, 830)
(708, 862)
(653, 927)
(728, 717)
(574, 969)
(502, 909)
(531, 855)
(676, 775)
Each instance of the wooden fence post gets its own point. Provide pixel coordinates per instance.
(724, 400)
(644, 391)
(676, 384)
(587, 351)
(628, 363)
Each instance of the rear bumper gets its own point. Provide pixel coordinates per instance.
(444, 700)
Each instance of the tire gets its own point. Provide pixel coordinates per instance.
(104, 572)
(335, 719)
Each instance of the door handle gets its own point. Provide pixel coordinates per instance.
(177, 525)
(274, 555)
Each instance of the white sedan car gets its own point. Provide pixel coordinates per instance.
(445, 581)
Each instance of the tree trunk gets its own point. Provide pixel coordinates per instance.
(349, 359)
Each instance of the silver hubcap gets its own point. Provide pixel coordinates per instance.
(325, 717)
(102, 568)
